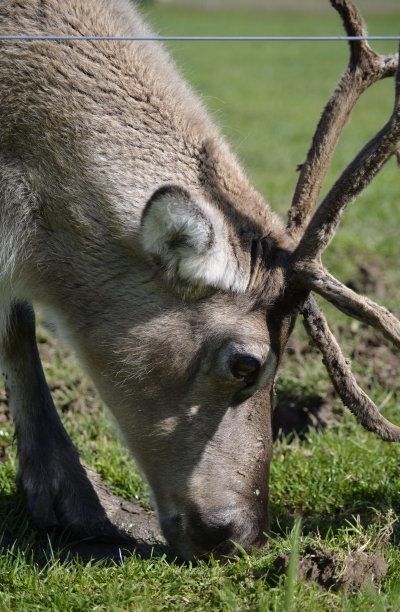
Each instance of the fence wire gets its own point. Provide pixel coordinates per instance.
(196, 38)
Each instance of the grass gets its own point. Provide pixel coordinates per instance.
(310, 7)
(343, 482)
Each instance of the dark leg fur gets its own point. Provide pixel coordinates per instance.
(50, 475)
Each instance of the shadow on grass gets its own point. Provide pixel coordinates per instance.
(20, 538)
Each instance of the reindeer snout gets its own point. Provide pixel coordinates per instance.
(199, 534)
(207, 533)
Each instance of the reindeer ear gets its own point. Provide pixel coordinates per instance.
(188, 238)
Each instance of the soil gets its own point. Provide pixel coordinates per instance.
(376, 363)
(140, 528)
(330, 571)
(372, 355)
(300, 413)
(367, 279)
(130, 517)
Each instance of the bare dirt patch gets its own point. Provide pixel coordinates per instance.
(127, 515)
(141, 533)
(376, 358)
(330, 571)
(298, 414)
(373, 358)
(379, 362)
(367, 279)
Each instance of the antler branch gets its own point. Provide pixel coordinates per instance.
(357, 175)
(307, 273)
(365, 67)
(342, 377)
(318, 279)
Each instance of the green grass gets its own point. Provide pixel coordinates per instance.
(310, 7)
(343, 482)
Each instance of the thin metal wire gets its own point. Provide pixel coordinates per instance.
(194, 38)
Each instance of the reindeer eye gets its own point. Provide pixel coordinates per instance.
(245, 367)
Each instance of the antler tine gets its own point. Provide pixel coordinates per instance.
(342, 377)
(356, 306)
(365, 67)
(356, 176)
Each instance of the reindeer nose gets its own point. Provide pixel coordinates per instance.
(207, 534)
(197, 535)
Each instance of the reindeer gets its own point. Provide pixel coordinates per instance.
(125, 216)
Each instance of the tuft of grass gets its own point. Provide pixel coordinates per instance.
(289, 603)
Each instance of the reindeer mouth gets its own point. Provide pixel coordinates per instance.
(194, 535)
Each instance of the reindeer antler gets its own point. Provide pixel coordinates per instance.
(342, 377)
(313, 236)
(365, 68)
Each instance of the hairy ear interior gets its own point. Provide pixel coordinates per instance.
(188, 239)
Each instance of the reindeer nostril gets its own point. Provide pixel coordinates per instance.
(207, 535)
(245, 367)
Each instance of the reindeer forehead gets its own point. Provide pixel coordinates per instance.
(233, 314)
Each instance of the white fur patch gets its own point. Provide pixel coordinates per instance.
(190, 238)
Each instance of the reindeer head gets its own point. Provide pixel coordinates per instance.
(218, 450)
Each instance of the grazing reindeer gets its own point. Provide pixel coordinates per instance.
(124, 215)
